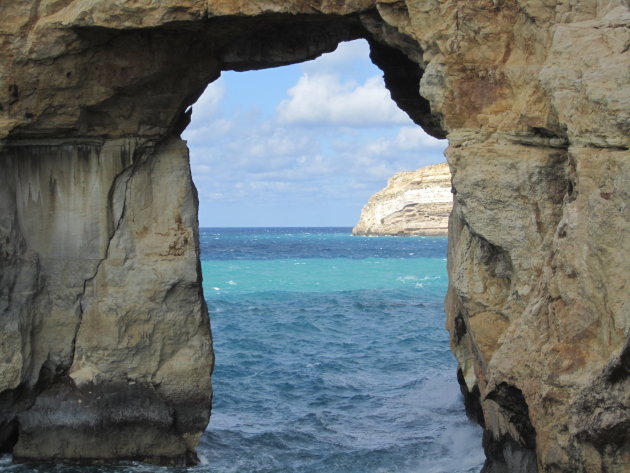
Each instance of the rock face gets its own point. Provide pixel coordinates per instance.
(104, 335)
(413, 203)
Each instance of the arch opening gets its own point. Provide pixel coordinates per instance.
(97, 311)
(266, 299)
(304, 134)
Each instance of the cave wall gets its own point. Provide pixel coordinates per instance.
(103, 318)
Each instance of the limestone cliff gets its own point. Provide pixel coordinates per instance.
(104, 337)
(413, 203)
(105, 332)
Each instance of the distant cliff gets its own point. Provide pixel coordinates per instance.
(413, 203)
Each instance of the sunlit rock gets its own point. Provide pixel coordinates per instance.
(413, 203)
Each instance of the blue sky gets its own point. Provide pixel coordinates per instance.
(301, 145)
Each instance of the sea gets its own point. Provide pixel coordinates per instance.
(331, 357)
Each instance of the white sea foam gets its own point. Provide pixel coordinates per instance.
(456, 451)
(409, 277)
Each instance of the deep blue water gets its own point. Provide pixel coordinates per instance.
(331, 357)
(308, 243)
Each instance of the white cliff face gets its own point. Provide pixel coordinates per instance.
(413, 203)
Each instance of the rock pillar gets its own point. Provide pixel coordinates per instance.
(106, 320)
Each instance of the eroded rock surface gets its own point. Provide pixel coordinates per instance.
(103, 313)
(103, 319)
(413, 203)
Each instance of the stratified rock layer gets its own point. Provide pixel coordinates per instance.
(413, 203)
(104, 335)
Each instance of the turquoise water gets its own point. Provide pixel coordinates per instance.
(333, 275)
(331, 357)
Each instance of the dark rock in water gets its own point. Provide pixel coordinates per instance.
(128, 418)
(504, 455)
(472, 400)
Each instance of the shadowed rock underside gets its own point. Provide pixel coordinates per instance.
(104, 330)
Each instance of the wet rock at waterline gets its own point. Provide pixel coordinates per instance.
(413, 203)
(100, 286)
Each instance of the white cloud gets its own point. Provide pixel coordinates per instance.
(260, 161)
(349, 58)
(410, 144)
(199, 169)
(208, 131)
(207, 106)
(277, 144)
(375, 160)
(322, 99)
(251, 157)
(414, 137)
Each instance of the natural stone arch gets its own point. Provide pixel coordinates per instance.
(140, 80)
(98, 229)
(110, 260)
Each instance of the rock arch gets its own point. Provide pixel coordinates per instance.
(98, 226)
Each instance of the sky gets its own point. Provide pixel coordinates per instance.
(300, 145)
